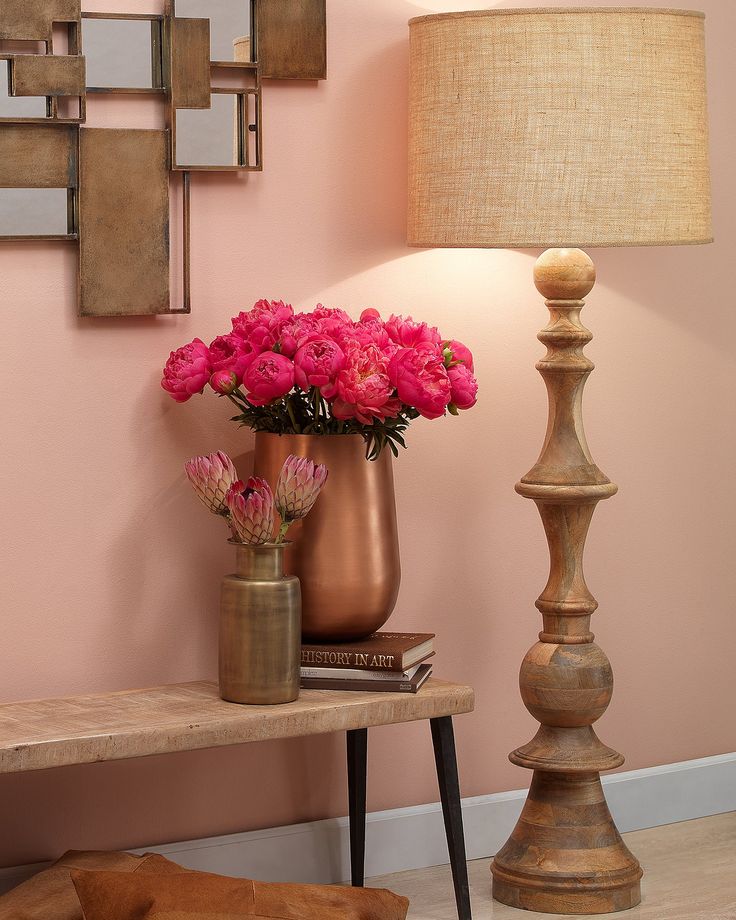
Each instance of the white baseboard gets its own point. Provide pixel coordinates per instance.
(413, 838)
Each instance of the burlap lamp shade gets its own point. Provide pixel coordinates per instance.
(564, 127)
(567, 128)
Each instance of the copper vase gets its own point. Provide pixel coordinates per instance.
(260, 628)
(346, 552)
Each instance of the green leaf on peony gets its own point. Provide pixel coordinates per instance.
(453, 409)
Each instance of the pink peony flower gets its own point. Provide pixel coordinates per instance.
(251, 511)
(187, 371)
(261, 326)
(317, 364)
(463, 386)
(420, 376)
(299, 485)
(224, 382)
(232, 353)
(459, 352)
(297, 332)
(369, 371)
(408, 334)
(364, 391)
(332, 322)
(371, 331)
(269, 377)
(212, 477)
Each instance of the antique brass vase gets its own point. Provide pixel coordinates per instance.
(346, 551)
(260, 628)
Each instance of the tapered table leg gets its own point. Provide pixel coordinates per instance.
(445, 757)
(357, 764)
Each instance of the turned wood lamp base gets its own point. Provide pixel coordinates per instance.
(565, 855)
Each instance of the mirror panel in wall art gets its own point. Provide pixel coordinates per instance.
(109, 189)
(13, 107)
(230, 20)
(214, 137)
(34, 213)
(123, 54)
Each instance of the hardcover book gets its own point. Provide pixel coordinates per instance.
(383, 651)
(358, 674)
(382, 686)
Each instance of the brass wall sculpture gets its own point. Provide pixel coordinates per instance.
(109, 189)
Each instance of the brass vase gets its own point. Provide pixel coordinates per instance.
(346, 551)
(260, 628)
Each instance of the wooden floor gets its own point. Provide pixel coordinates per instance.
(690, 874)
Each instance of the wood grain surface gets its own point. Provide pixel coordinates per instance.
(565, 855)
(48, 733)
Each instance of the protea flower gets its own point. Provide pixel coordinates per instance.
(251, 511)
(299, 485)
(212, 478)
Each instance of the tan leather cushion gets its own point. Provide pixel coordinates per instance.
(50, 895)
(201, 896)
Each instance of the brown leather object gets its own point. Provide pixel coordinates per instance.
(201, 896)
(50, 895)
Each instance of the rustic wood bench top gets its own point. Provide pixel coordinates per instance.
(48, 733)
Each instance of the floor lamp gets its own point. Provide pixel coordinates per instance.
(569, 128)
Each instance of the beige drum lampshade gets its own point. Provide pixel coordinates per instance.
(558, 127)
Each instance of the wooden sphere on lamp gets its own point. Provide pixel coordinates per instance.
(564, 274)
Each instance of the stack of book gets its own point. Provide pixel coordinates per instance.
(384, 661)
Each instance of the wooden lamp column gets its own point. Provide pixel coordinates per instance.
(570, 127)
(565, 854)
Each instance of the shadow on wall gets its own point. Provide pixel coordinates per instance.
(298, 776)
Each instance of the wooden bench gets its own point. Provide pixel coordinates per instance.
(42, 734)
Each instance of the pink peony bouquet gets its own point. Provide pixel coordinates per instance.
(250, 508)
(324, 373)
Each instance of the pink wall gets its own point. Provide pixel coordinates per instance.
(111, 570)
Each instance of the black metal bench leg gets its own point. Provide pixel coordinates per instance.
(357, 764)
(445, 757)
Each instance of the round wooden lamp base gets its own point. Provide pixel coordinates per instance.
(565, 855)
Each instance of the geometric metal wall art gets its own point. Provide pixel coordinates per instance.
(108, 190)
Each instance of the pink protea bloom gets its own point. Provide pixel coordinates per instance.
(251, 511)
(212, 478)
(269, 377)
(298, 488)
(364, 391)
(317, 364)
(408, 334)
(463, 387)
(187, 371)
(232, 353)
(421, 379)
(456, 351)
